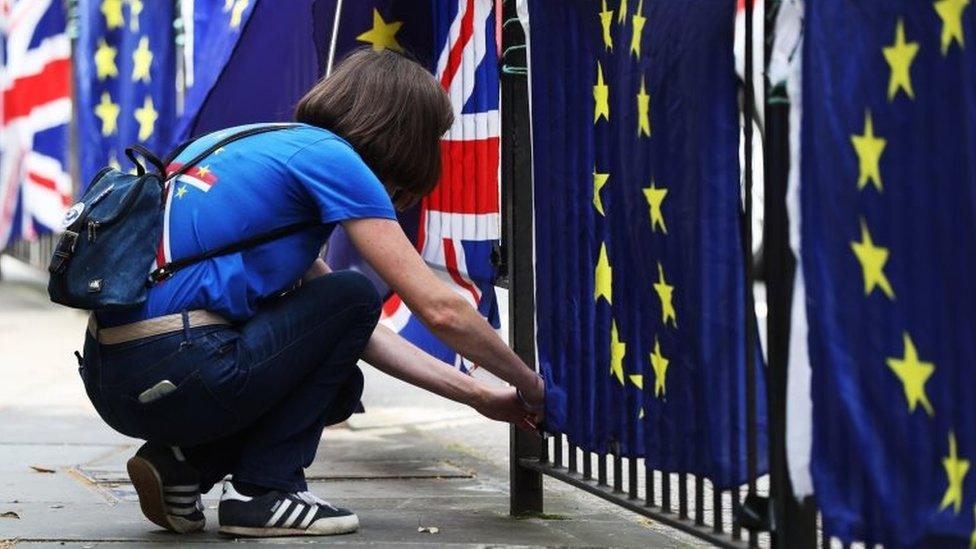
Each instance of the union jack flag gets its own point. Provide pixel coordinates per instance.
(35, 69)
(459, 221)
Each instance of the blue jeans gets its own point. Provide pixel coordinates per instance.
(250, 400)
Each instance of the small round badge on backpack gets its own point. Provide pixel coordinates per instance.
(73, 214)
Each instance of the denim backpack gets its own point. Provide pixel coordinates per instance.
(104, 258)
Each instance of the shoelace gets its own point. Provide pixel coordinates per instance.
(312, 499)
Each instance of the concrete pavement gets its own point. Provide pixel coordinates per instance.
(411, 461)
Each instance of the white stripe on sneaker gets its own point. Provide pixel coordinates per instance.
(182, 488)
(180, 499)
(285, 504)
(181, 511)
(299, 507)
(312, 511)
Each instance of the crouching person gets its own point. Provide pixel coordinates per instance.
(230, 367)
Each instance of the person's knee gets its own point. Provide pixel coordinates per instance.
(359, 290)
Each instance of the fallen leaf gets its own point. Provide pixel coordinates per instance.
(9, 514)
(428, 529)
(40, 469)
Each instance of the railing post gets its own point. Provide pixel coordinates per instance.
(795, 522)
(516, 167)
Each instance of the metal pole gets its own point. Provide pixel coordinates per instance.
(795, 523)
(525, 484)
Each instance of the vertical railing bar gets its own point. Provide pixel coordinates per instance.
(601, 462)
(588, 465)
(683, 495)
(717, 525)
(648, 485)
(666, 491)
(557, 451)
(618, 473)
(736, 493)
(573, 466)
(699, 500)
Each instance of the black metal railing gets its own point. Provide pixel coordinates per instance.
(761, 512)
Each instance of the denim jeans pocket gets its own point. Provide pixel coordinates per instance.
(186, 416)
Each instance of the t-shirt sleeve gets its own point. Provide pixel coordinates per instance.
(341, 184)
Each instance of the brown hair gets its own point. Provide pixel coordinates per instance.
(392, 111)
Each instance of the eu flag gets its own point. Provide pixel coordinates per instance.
(125, 75)
(640, 276)
(888, 201)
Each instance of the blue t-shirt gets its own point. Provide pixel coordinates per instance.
(250, 187)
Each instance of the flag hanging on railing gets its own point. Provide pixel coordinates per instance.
(35, 82)
(888, 226)
(457, 225)
(212, 33)
(639, 259)
(125, 74)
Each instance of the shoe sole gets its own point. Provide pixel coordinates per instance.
(321, 527)
(149, 487)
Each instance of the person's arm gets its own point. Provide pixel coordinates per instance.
(383, 245)
(390, 353)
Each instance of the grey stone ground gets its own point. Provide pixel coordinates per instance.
(411, 460)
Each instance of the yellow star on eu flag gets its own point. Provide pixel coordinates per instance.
(913, 374)
(655, 197)
(950, 11)
(872, 259)
(135, 9)
(108, 112)
(181, 191)
(899, 57)
(622, 12)
(601, 96)
(146, 115)
(665, 294)
(142, 61)
(599, 180)
(660, 366)
(105, 66)
(603, 276)
(617, 351)
(237, 12)
(972, 537)
(868, 148)
(637, 22)
(112, 10)
(637, 380)
(606, 19)
(382, 35)
(643, 111)
(956, 470)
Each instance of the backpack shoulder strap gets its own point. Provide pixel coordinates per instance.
(223, 143)
(167, 270)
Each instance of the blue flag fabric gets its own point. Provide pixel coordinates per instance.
(125, 76)
(888, 200)
(639, 267)
(216, 29)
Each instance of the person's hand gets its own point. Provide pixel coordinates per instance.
(501, 404)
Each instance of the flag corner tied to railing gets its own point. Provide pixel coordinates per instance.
(639, 255)
(35, 109)
(888, 247)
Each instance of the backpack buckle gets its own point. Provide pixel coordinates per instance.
(63, 252)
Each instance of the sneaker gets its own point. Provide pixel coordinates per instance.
(168, 488)
(281, 514)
